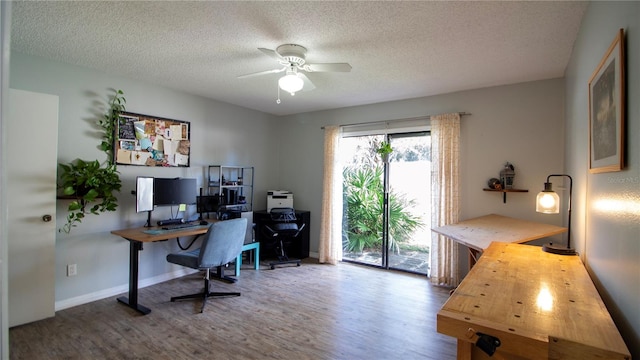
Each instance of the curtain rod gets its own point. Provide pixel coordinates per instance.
(426, 117)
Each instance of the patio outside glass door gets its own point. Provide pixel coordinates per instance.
(389, 229)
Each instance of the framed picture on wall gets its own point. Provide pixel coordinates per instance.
(606, 110)
(152, 141)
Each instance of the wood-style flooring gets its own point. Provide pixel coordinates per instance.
(315, 311)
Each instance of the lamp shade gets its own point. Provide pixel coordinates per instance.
(291, 83)
(548, 202)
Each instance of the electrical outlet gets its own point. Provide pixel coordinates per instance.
(72, 269)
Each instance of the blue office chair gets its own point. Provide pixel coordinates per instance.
(222, 244)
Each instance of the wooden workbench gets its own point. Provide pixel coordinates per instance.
(478, 233)
(539, 305)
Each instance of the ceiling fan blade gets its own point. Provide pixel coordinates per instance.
(335, 67)
(308, 85)
(273, 54)
(261, 73)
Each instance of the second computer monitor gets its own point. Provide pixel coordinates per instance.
(174, 191)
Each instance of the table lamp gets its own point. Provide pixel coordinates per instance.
(548, 202)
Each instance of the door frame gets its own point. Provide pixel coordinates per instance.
(388, 135)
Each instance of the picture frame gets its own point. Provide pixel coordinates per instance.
(607, 110)
(145, 140)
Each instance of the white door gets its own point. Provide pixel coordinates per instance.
(31, 162)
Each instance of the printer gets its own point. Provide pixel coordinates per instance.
(279, 199)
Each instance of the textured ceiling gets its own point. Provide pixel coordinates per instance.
(398, 50)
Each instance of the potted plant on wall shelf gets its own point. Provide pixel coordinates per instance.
(384, 150)
(85, 182)
(88, 184)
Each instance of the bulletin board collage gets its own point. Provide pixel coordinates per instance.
(152, 141)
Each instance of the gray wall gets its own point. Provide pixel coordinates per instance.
(522, 124)
(503, 121)
(220, 134)
(608, 238)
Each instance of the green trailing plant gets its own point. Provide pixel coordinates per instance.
(109, 122)
(384, 148)
(88, 184)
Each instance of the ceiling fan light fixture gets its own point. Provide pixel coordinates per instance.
(291, 83)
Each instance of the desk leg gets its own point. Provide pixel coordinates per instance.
(473, 257)
(219, 275)
(134, 252)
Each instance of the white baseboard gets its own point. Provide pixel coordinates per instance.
(105, 293)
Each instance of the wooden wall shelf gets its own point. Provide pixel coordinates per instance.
(505, 191)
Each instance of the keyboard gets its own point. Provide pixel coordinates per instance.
(169, 228)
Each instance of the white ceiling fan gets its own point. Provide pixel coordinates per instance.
(292, 58)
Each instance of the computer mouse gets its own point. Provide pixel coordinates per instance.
(204, 222)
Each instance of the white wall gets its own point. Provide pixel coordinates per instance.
(608, 238)
(507, 123)
(220, 134)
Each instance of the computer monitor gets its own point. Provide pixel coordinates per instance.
(144, 194)
(174, 191)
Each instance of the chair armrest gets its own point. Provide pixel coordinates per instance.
(268, 231)
(300, 230)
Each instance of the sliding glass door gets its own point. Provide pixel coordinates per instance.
(363, 184)
(410, 202)
(386, 216)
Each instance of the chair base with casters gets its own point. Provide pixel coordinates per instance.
(205, 293)
(283, 227)
(219, 275)
(222, 245)
(273, 265)
(283, 259)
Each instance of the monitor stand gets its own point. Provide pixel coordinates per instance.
(148, 224)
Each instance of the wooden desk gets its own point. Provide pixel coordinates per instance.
(539, 305)
(478, 233)
(137, 237)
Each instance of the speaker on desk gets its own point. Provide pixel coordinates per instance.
(170, 222)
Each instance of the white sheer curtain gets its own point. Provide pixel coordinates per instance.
(445, 144)
(330, 248)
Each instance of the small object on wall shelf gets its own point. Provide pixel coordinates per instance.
(494, 184)
(505, 191)
(507, 174)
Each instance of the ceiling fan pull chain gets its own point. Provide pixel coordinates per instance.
(278, 100)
